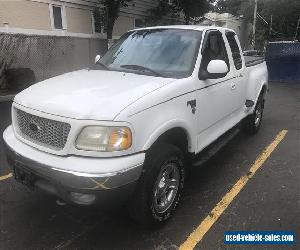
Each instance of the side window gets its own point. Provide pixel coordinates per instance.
(235, 50)
(213, 49)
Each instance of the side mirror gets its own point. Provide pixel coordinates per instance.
(97, 58)
(217, 67)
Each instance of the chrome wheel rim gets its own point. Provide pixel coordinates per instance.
(166, 187)
(258, 115)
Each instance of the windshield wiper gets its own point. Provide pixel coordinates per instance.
(141, 68)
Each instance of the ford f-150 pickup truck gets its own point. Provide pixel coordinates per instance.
(129, 128)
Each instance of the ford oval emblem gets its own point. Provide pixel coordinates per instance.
(34, 127)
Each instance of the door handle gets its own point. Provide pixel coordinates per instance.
(233, 86)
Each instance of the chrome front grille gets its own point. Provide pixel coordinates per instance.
(45, 132)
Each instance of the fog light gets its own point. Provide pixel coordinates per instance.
(83, 199)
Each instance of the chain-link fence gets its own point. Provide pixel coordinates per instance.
(26, 59)
(283, 60)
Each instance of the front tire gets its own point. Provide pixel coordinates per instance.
(160, 187)
(252, 123)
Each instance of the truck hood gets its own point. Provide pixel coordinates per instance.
(89, 94)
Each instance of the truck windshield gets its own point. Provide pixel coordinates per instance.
(159, 52)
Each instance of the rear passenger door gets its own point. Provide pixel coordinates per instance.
(239, 86)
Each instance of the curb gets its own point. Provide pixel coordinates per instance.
(6, 98)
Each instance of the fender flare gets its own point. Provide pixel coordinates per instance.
(255, 98)
(263, 85)
(168, 126)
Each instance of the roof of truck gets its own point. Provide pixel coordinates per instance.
(185, 27)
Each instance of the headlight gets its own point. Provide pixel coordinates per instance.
(104, 139)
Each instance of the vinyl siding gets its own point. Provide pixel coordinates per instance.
(79, 20)
(25, 14)
(135, 7)
(35, 15)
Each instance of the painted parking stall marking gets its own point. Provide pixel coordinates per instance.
(4, 177)
(197, 235)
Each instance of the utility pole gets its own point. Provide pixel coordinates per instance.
(254, 23)
(298, 26)
(271, 23)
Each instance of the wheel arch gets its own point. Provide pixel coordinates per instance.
(177, 134)
(263, 90)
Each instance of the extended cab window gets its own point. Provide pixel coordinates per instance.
(213, 49)
(235, 50)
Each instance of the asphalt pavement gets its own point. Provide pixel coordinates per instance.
(269, 201)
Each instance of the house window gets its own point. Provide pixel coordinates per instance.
(57, 17)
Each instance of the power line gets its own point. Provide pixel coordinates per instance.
(262, 19)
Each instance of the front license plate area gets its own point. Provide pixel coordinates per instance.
(24, 176)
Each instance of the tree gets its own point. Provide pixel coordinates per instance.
(110, 11)
(192, 8)
(172, 9)
(285, 15)
(157, 15)
(227, 6)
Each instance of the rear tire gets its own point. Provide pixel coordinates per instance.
(160, 186)
(252, 123)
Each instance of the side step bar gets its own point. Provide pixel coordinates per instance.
(215, 147)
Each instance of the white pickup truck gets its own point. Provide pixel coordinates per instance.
(129, 128)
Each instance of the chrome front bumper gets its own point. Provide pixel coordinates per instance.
(62, 182)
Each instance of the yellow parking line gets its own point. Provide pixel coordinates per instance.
(4, 177)
(197, 235)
